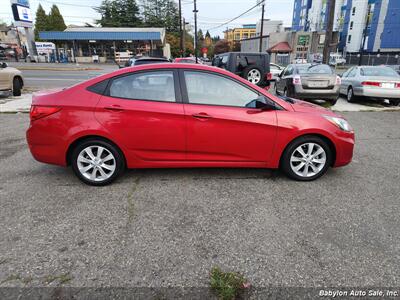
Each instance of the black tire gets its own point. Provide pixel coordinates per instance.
(17, 87)
(249, 69)
(118, 156)
(285, 159)
(333, 101)
(394, 102)
(350, 95)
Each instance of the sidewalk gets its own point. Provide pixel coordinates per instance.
(60, 66)
(16, 104)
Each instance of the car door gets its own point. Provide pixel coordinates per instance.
(285, 79)
(219, 126)
(143, 111)
(345, 80)
(4, 79)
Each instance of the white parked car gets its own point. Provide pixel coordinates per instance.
(11, 79)
(376, 82)
(275, 70)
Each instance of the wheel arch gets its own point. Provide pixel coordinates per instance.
(326, 139)
(81, 139)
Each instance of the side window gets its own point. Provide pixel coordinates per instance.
(288, 71)
(224, 59)
(352, 73)
(206, 88)
(152, 86)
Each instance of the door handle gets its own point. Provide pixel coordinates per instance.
(201, 116)
(114, 108)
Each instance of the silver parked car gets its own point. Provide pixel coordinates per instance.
(309, 81)
(376, 82)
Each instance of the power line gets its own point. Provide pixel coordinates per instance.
(241, 15)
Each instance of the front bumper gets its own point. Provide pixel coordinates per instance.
(302, 93)
(344, 144)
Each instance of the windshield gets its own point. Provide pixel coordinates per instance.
(148, 61)
(314, 69)
(379, 71)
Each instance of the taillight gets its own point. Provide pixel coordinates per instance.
(296, 80)
(338, 80)
(371, 83)
(398, 85)
(268, 76)
(38, 112)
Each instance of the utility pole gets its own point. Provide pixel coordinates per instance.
(329, 30)
(184, 37)
(365, 31)
(195, 30)
(180, 28)
(262, 24)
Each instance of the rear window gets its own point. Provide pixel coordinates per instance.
(314, 69)
(149, 61)
(379, 71)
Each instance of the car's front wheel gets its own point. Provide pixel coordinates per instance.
(97, 162)
(306, 158)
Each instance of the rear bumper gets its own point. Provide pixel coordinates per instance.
(302, 93)
(377, 92)
(45, 148)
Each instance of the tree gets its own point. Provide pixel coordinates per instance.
(41, 23)
(161, 13)
(123, 13)
(55, 20)
(221, 46)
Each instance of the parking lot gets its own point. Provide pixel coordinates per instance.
(168, 228)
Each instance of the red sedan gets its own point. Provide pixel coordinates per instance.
(180, 116)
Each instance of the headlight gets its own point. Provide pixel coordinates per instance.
(339, 122)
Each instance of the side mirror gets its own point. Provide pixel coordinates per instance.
(4, 65)
(261, 103)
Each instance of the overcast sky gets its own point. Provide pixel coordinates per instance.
(212, 13)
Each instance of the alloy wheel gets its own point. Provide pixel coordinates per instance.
(308, 160)
(350, 95)
(96, 163)
(254, 76)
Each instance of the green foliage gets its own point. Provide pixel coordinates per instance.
(55, 20)
(221, 46)
(41, 23)
(227, 286)
(161, 13)
(119, 13)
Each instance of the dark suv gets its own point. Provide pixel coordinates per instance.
(251, 66)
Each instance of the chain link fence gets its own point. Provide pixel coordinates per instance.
(374, 59)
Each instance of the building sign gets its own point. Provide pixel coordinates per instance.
(303, 40)
(22, 13)
(45, 48)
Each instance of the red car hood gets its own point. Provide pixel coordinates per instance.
(306, 107)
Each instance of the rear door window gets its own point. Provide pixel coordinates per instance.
(151, 86)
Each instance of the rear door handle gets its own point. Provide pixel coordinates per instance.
(114, 108)
(201, 116)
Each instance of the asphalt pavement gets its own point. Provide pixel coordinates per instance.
(168, 228)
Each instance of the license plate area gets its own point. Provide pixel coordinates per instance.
(318, 84)
(387, 85)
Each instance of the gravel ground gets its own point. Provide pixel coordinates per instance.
(168, 228)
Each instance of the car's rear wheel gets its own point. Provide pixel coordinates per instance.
(17, 87)
(306, 158)
(350, 95)
(253, 74)
(97, 162)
